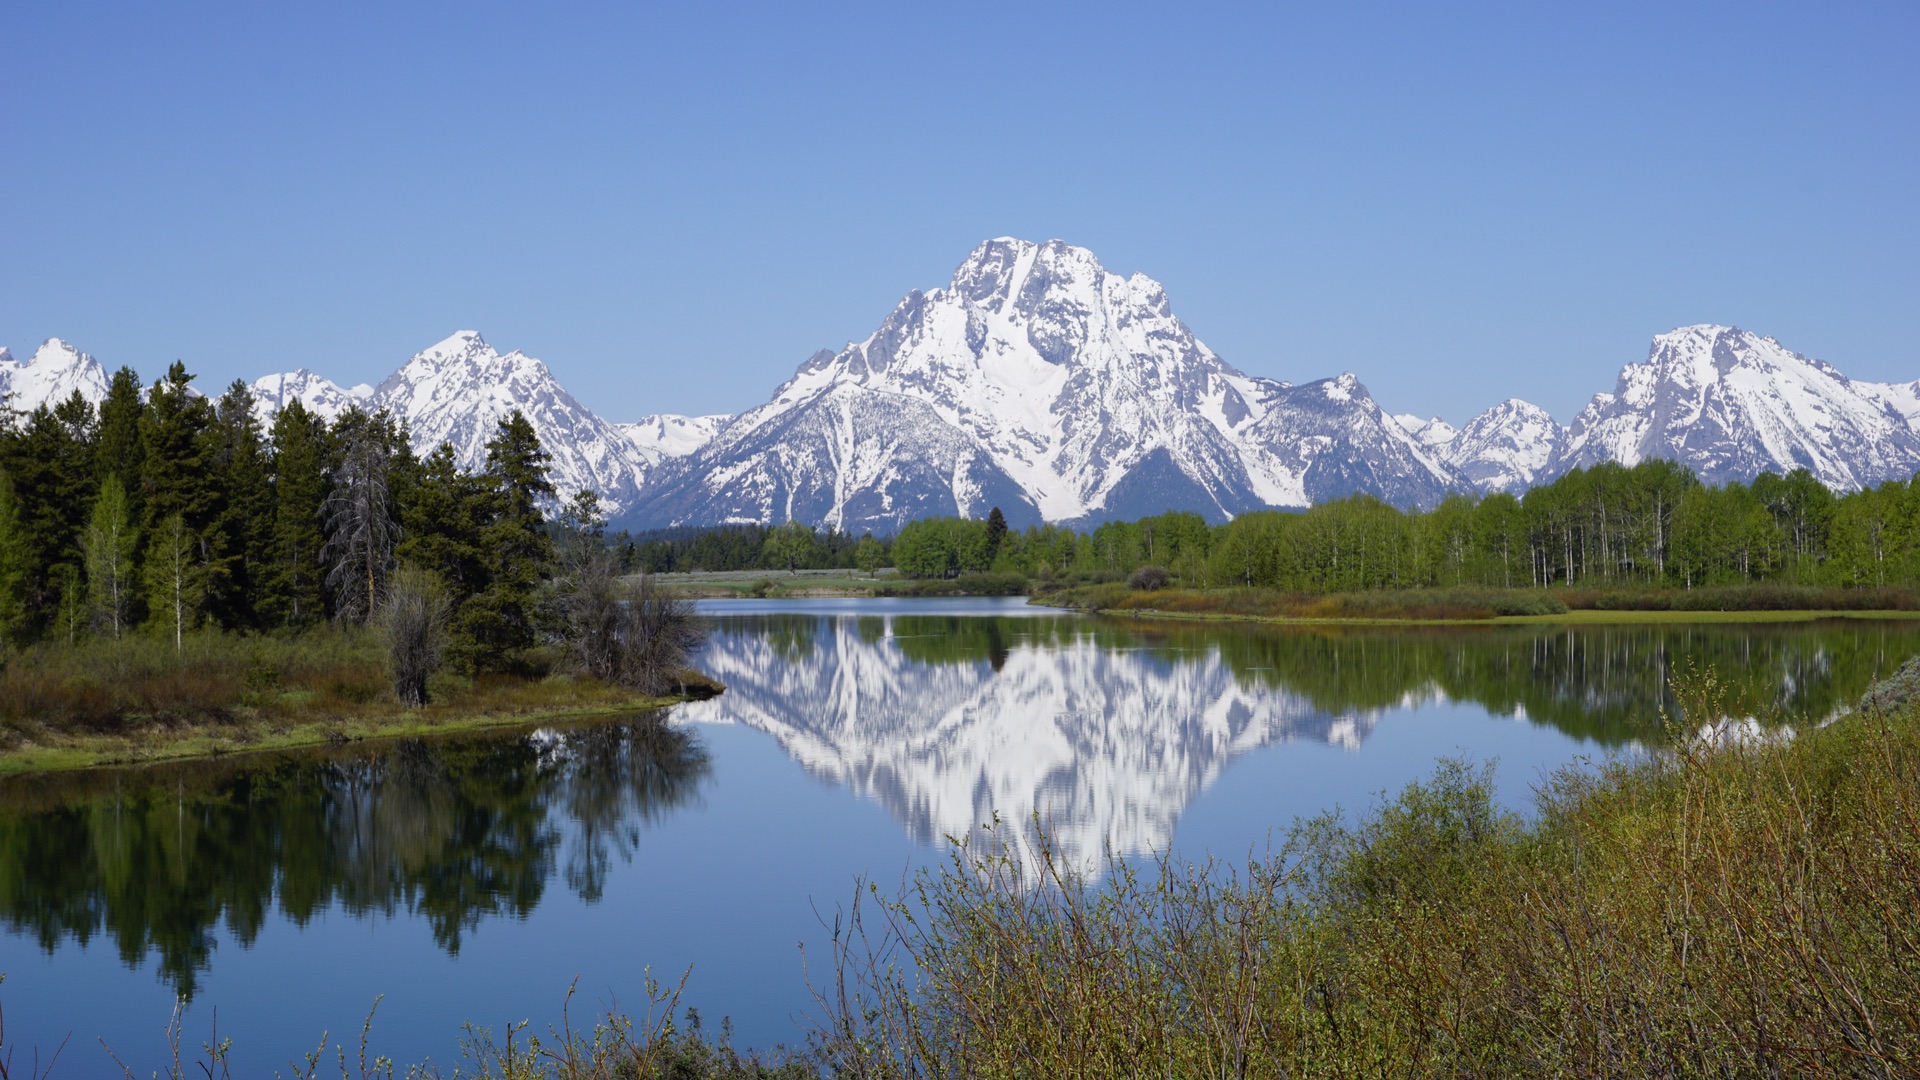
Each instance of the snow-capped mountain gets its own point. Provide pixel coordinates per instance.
(1039, 382)
(1507, 448)
(50, 376)
(1730, 404)
(669, 435)
(319, 395)
(1108, 746)
(1431, 433)
(459, 390)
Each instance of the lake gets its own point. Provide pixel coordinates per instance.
(474, 878)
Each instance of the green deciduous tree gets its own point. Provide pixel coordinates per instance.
(110, 544)
(176, 581)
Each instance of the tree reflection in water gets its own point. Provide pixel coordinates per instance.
(454, 831)
(1109, 729)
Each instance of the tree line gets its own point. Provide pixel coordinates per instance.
(163, 510)
(1649, 525)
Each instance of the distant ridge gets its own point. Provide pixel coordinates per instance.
(1040, 382)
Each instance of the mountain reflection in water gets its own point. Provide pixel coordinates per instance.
(1107, 730)
(449, 832)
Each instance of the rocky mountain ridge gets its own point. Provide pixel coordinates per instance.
(1040, 382)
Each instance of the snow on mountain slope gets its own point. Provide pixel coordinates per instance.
(1731, 404)
(458, 391)
(1337, 440)
(1432, 433)
(321, 396)
(1507, 447)
(1039, 382)
(1902, 398)
(50, 376)
(668, 435)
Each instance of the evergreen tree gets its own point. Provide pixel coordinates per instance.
(119, 447)
(292, 582)
(996, 533)
(237, 536)
(498, 623)
(110, 544)
(443, 525)
(173, 452)
(14, 564)
(174, 483)
(50, 461)
(362, 528)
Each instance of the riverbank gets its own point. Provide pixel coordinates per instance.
(1721, 907)
(139, 700)
(1481, 606)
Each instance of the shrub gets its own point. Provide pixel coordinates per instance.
(413, 624)
(1718, 908)
(1149, 579)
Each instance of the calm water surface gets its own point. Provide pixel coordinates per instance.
(474, 878)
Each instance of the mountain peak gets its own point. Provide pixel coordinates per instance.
(1731, 404)
(51, 375)
(457, 343)
(56, 351)
(1040, 382)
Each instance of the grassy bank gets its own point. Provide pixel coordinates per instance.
(103, 702)
(1719, 909)
(1474, 604)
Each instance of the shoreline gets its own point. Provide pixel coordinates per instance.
(1580, 617)
(64, 753)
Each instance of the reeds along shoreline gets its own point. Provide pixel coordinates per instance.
(1716, 908)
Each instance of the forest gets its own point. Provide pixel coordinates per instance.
(1649, 526)
(168, 511)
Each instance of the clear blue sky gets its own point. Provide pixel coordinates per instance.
(675, 205)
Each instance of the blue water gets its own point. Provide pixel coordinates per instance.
(476, 879)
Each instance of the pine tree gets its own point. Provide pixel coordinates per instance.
(118, 448)
(14, 561)
(109, 546)
(362, 528)
(173, 452)
(237, 536)
(996, 532)
(443, 524)
(50, 460)
(292, 583)
(498, 623)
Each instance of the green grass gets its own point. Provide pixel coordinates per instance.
(137, 700)
(1470, 604)
(1631, 617)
